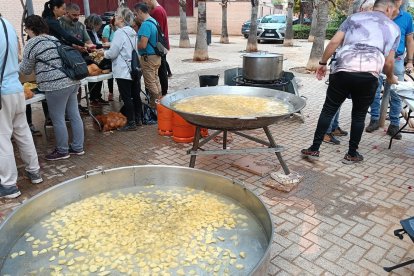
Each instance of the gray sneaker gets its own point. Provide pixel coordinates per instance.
(393, 130)
(34, 177)
(9, 192)
(373, 125)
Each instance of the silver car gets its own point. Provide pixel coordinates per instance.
(272, 27)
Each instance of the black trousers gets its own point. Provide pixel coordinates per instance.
(163, 75)
(129, 91)
(362, 87)
(95, 90)
(111, 85)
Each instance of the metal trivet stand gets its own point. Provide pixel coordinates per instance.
(271, 146)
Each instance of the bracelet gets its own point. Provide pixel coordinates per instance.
(322, 63)
(409, 59)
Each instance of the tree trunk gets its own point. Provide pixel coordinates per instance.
(320, 33)
(252, 40)
(288, 41)
(184, 39)
(201, 47)
(314, 24)
(224, 38)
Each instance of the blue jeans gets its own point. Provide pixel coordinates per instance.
(334, 123)
(395, 100)
(60, 101)
(376, 104)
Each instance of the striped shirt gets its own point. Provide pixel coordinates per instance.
(38, 51)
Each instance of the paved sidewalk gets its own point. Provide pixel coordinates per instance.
(340, 219)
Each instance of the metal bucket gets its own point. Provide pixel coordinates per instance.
(32, 211)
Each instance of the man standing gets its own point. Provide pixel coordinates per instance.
(13, 118)
(405, 23)
(160, 15)
(150, 62)
(70, 23)
(369, 41)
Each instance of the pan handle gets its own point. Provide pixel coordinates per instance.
(98, 169)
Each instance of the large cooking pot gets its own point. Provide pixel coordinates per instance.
(294, 102)
(256, 245)
(262, 66)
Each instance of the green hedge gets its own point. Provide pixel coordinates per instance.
(302, 31)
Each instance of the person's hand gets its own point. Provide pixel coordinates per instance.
(106, 44)
(409, 67)
(80, 48)
(90, 47)
(321, 72)
(392, 80)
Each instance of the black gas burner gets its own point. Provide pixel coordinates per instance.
(279, 84)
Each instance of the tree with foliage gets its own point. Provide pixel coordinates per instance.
(320, 33)
(184, 38)
(201, 47)
(224, 38)
(288, 41)
(252, 40)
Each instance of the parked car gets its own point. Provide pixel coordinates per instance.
(245, 30)
(306, 21)
(272, 27)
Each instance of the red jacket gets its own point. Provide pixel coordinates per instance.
(159, 14)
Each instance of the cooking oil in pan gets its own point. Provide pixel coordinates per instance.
(232, 106)
(142, 231)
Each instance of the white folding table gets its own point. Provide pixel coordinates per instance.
(94, 79)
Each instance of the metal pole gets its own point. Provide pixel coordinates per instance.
(86, 8)
(29, 7)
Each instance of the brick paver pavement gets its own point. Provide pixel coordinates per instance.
(340, 219)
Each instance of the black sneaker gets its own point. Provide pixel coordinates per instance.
(349, 159)
(34, 177)
(102, 101)
(392, 130)
(9, 192)
(34, 131)
(339, 132)
(129, 127)
(373, 125)
(329, 138)
(311, 154)
(56, 155)
(76, 152)
(83, 110)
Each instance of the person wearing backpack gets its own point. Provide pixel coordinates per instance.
(150, 61)
(41, 55)
(13, 118)
(121, 53)
(160, 15)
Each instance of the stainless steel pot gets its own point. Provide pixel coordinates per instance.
(262, 66)
(29, 213)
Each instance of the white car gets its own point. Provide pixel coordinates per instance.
(272, 27)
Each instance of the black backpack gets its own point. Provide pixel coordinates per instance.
(73, 64)
(135, 70)
(161, 47)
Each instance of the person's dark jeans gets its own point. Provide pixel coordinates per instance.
(168, 67)
(95, 90)
(111, 85)
(29, 112)
(163, 75)
(362, 87)
(129, 91)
